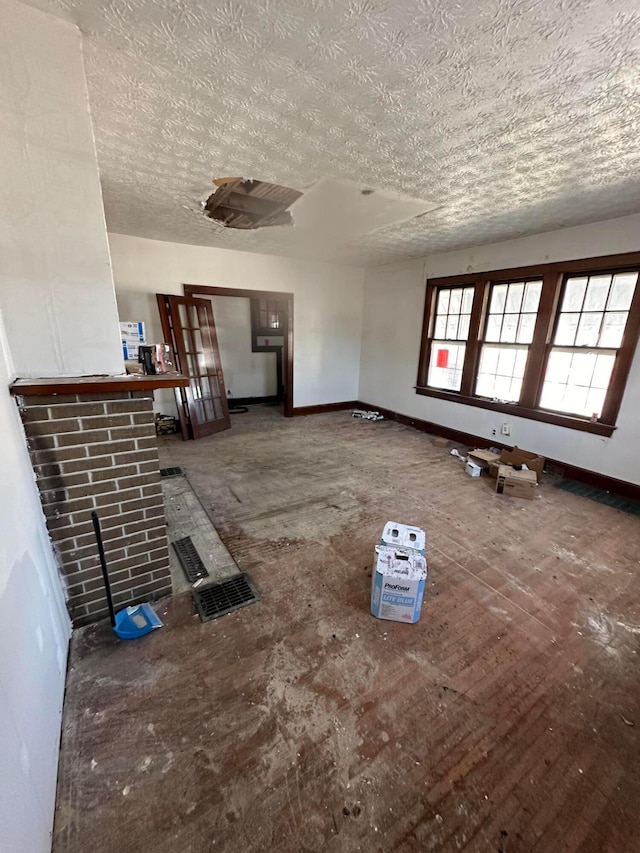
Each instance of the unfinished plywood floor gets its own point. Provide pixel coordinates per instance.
(507, 719)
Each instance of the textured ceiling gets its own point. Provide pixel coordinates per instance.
(514, 116)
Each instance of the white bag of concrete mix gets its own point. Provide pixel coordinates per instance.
(397, 583)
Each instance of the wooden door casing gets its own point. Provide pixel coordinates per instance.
(287, 350)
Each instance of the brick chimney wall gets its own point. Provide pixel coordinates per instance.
(99, 451)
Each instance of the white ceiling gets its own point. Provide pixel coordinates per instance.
(513, 116)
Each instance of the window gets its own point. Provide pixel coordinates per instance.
(453, 314)
(513, 309)
(551, 343)
(589, 330)
(268, 315)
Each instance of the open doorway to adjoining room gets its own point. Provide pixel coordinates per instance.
(236, 346)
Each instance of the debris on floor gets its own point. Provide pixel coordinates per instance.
(458, 455)
(440, 442)
(517, 472)
(488, 460)
(400, 573)
(472, 468)
(367, 416)
(166, 425)
(516, 484)
(517, 456)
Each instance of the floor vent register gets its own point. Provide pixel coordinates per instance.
(213, 599)
(175, 471)
(231, 594)
(192, 565)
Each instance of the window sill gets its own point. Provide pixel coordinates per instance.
(521, 412)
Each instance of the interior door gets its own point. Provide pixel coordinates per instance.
(188, 326)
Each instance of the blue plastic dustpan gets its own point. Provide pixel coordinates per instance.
(134, 621)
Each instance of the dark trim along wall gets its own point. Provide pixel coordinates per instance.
(325, 407)
(583, 475)
(252, 401)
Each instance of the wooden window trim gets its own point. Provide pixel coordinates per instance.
(553, 276)
(472, 350)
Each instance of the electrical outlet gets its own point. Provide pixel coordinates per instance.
(506, 429)
(493, 431)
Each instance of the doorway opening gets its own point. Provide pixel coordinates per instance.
(247, 334)
(251, 340)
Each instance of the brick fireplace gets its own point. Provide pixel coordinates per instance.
(97, 449)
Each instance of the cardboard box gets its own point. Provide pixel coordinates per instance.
(485, 459)
(472, 469)
(132, 335)
(516, 456)
(517, 484)
(407, 536)
(397, 584)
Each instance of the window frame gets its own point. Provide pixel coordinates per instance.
(455, 341)
(482, 332)
(553, 276)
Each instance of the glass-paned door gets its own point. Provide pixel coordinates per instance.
(189, 327)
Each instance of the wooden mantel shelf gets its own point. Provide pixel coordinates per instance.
(50, 386)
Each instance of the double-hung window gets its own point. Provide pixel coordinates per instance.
(552, 343)
(450, 333)
(508, 332)
(590, 325)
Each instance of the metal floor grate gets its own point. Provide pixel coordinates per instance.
(224, 597)
(192, 565)
(600, 496)
(176, 471)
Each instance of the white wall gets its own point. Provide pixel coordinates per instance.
(327, 306)
(34, 633)
(394, 301)
(246, 373)
(56, 288)
(59, 315)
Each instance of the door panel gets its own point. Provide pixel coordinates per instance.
(189, 328)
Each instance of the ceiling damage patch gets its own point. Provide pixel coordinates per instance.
(339, 212)
(517, 116)
(343, 211)
(247, 205)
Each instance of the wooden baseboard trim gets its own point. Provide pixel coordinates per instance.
(583, 475)
(433, 429)
(252, 401)
(325, 407)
